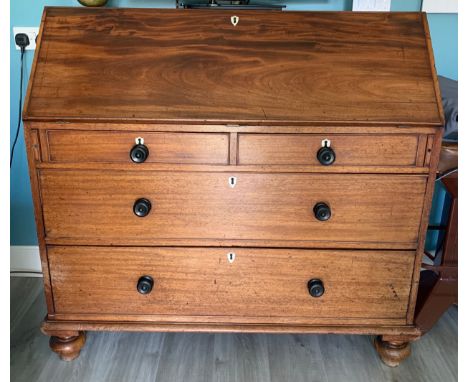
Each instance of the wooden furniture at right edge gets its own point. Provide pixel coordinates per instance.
(438, 287)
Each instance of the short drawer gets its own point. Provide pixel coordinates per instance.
(348, 150)
(99, 207)
(115, 146)
(269, 284)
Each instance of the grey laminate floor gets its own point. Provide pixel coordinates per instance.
(173, 357)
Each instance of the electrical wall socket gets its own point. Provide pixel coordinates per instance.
(32, 33)
(372, 5)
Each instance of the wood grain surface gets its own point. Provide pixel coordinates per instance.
(178, 65)
(98, 206)
(95, 146)
(301, 149)
(30, 142)
(376, 150)
(293, 128)
(268, 284)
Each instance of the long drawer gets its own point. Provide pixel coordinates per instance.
(235, 283)
(99, 207)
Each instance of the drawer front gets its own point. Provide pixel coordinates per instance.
(349, 150)
(99, 207)
(258, 283)
(100, 146)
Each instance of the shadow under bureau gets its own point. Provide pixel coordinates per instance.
(268, 174)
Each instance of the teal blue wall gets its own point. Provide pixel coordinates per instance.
(444, 35)
(406, 5)
(28, 13)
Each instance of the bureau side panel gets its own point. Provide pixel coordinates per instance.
(434, 161)
(31, 137)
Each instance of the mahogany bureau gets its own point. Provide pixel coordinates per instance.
(232, 171)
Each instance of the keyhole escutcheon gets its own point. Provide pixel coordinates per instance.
(231, 257)
(232, 181)
(139, 141)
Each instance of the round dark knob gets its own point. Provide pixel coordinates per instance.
(326, 156)
(322, 211)
(142, 207)
(316, 288)
(145, 284)
(139, 153)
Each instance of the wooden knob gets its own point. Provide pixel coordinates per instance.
(139, 153)
(322, 211)
(326, 156)
(316, 288)
(142, 207)
(145, 284)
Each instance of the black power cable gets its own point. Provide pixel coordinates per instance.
(22, 41)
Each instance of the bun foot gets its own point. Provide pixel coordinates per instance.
(392, 352)
(68, 344)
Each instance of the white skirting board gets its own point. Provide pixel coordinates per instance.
(25, 259)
